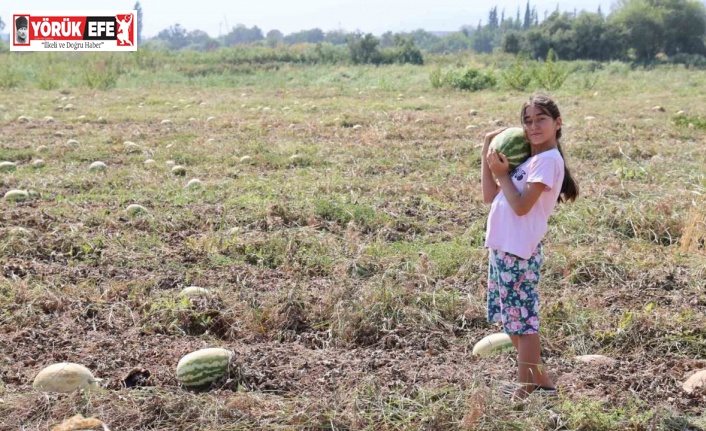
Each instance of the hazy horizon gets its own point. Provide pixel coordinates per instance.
(367, 16)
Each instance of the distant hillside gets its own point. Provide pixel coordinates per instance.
(5, 37)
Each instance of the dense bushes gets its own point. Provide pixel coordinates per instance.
(468, 79)
(549, 75)
(366, 50)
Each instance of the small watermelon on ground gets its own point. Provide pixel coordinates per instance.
(194, 291)
(492, 343)
(135, 209)
(16, 195)
(513, 144)
(202, 367)
(7, 166)
(65, 377)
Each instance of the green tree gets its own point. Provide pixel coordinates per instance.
(511, 42)
(454, 42)
(423, 38)
(242, 35)
(274, 37)
(364, 49)
(335, 37)
(558, 29)
(528, 17)
(536, 42)
(595, 38)
(406, 52)
(482, 40)
(199, 40)
(493, 18)
(684, 24)
(558, 22)
(138, 9)
(643, 27)
(175, 37)
(315, 35)
(387, 39)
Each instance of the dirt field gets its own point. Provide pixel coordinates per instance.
(344, 258)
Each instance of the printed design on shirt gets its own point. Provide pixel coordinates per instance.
(518, 174)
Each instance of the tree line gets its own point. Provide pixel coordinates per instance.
(635, 30)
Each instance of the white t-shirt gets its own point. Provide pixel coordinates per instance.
(519, 235)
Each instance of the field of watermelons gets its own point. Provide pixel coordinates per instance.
(324, 225)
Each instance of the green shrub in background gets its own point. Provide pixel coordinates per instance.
(436, 78)
(697, 122)
(10, 76)
(689, 61)
(101, 75)
(552, 75)
(469, 79)
(519, 75)
(406, 52)
(365, 49)
(47, 79)
(473, 80)
(330, 54)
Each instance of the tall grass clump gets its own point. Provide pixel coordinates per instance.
(10, 76)
(102, 74)
(694, 234)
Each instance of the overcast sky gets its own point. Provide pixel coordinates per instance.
(287, 16)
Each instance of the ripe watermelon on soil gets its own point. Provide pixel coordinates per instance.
(202, 367)
(513, 144)
(492, 343)
(65, 377)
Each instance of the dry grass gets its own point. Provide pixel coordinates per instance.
(693, 239)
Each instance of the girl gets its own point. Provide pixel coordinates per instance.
(522, 201)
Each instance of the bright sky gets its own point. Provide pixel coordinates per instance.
(287, 16)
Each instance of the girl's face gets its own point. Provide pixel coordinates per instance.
(539, 126)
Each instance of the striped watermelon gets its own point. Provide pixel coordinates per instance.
(513, 144)
(203, 367)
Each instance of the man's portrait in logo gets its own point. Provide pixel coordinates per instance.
(21, 30)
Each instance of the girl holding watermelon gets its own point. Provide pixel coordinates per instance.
(522, 200)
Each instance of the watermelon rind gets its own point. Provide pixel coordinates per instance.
(513, 144)
(204, 366)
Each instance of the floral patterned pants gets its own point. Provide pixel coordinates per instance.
(513, 298)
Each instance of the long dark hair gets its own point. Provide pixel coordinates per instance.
(569, 188)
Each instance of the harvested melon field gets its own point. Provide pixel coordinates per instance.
(333, 220)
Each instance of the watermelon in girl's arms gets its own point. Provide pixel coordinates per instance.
(512, 143)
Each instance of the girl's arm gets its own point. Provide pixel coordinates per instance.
(522, 202)
(490, 187)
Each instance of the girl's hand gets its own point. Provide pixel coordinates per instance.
(489, 137)
(498, 164)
